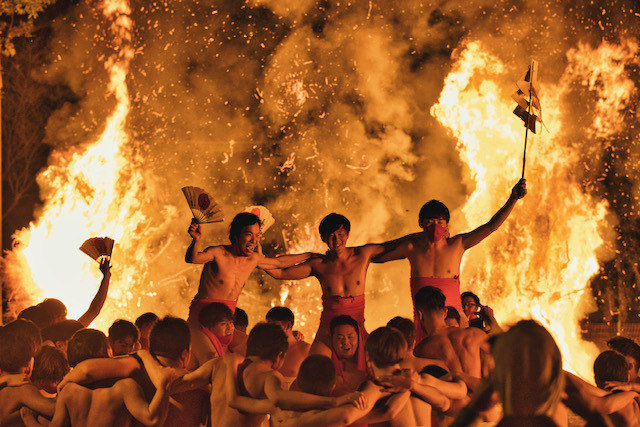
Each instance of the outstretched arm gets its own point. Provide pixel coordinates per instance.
(283, 261)
(297, 272)
(474, 237)
(394, 249)
(194, 253)
(101, 296)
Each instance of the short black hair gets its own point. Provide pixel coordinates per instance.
(240, 318)
(169, 338)
(386, 347)
(146, 319)
(121, 329)
(214, 313)
(317, 375)
(37, 314)
(626, 347)
(407, 328)
(87, 344)
(61, 331)
(610, 366)
(333, 222)
(434, 209)
(344, 319)
(49, 365)
(470, 294)
(16, 349)
(240, 221)
(452, 313)
(266, 341)
(429, 299)
(281, 314)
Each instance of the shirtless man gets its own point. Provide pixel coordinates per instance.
(346, 348)
(226, 270)
(298, 350)
(435, 256)
(342, 274)
(459, 348)
(236, 382)
(112, 406)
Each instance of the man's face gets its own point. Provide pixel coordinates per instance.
(470, 307)
(345, 341)
(223, 328)
(123, 346)
(337, 240)
(248, 239)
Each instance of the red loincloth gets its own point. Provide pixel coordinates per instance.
(333, 307)
(449, 287)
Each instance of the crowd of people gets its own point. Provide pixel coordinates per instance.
(451, 365)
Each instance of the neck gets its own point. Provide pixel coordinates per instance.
(170, 363)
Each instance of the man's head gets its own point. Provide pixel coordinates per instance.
(385, 348)
(244, 233)
(171, 338)
(240, 319)
(528, 374)
(60, 333)
(87, 344)
(55, 309)
(344, 336)
(453, 317)
(631, 352)
(144, 323)
(434, 209)
(37, 314)
(406, 327)
(267, 341)
(434, 220)
(429, 302)
(282, 317)
(123, 337)
(334, 231)
(218, 318)
(470, 304)
(317, 375)
(610, 366)
(17, 350)
(49, 367)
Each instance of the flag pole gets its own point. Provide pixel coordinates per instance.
(526, 125)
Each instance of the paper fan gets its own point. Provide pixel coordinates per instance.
(98, 248)
(203, 207)
(266, 219)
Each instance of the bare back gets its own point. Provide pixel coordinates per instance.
(458, 348)
(100, 407)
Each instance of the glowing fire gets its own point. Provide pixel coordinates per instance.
(540, 264)
(91, 191)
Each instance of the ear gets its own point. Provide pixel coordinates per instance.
(421, 222)
(184, 357)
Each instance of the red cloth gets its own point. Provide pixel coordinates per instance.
(449, 287)
(333, 307)
(221, 349)
(197, 304)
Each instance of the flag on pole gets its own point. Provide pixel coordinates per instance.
(529, 89)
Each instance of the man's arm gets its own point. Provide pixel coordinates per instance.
(474, 237)
(235, 401)
(29, 396)
(198, 379)
(92, 370)
(101, 296)
(394, 249)
(283, 261)
(297, 272)
(194, 255)
(151, 414)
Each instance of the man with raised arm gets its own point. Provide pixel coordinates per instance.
(435, 256)
(226, 270)
(342, 274)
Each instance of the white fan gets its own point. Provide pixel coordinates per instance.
(266, 219)
(203, 207)
(98, 248)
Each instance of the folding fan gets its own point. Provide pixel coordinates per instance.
(98, 248)
(266, 219)
(203, 207)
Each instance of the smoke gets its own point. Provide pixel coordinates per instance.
(317, 107)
